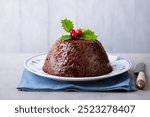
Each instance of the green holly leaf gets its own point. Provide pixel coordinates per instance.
(67, 25)
(65, 37)
(88, 35)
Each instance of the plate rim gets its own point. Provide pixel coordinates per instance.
(60, 78)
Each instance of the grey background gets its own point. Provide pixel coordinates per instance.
(34, 25)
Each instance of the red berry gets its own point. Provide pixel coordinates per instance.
(74, 35)
(72, 31)
(79, 32)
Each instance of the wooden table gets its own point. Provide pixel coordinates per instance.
(11, 68)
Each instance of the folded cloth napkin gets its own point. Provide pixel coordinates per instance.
(32, 82)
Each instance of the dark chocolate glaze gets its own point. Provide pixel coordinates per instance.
(77, 58)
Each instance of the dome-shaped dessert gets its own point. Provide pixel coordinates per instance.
(77, 54)
(77, 58)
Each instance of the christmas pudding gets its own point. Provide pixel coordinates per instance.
(77, 54)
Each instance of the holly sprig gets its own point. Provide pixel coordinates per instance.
(84, 34)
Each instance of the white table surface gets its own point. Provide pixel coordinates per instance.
(11, 68)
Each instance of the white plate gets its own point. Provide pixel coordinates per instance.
(120, 65)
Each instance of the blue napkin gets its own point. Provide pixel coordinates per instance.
(32, 82)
